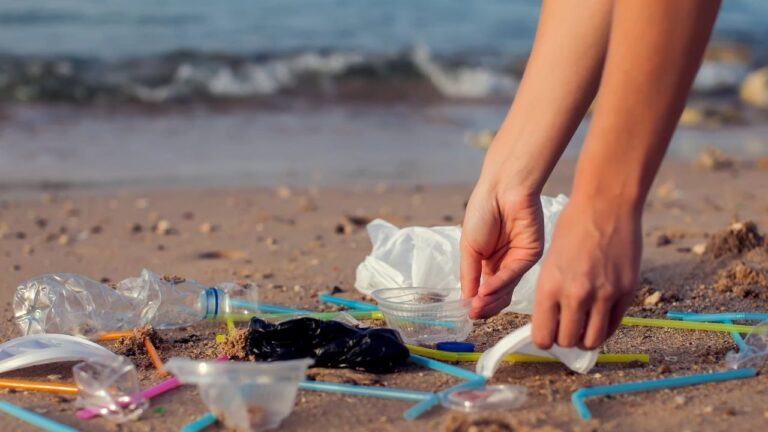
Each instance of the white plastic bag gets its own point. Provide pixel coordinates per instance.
(429, 257)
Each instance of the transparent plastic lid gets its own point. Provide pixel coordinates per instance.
(491, 397)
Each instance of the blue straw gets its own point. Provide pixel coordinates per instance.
(34, 419)
(718, 317)
(260, 307)
(727, 318)
(738, 340)
(473, 381)
(577, 398)
(417, 410)
(199, 424)
(356, 390)
(445, 368)
(347, 303)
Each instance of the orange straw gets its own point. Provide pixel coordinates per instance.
(47, 387)
(113, 336)
(152, 352)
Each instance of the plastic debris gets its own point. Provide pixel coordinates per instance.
(34, 419)
(490, 397)
(111, 385)
(245, 396)
(425, 316)
(329, 343)
(72, 304)
(520, 341)
(36, 350)
(577, 398)
(454, 346)
(754, 353)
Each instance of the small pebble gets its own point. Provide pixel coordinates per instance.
(206, 228)
(283, 192)
(663, 240)
(653, 299)
(699, 249)
(680, 400)
(163, 227)
(64, 240)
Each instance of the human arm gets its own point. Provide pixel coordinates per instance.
(589, 275)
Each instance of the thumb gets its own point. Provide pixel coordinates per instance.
(470, 269)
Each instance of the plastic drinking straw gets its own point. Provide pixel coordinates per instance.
(520, 358)
(351, 304)
(370, 391)
(737, 339)
(154, 357)
(718, 317)
(319, 315)
(445, 368)
(261, 307)
(577, 398)
(230, 327)
(112, 336)
(48, 387)
(688, 325)
(420, 408)
(34, 419)
(167, 385)
(473, 380)
(199, 424)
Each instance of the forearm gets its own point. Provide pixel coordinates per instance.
(654, 52)
(559, 83)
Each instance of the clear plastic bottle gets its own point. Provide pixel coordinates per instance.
(72, 304)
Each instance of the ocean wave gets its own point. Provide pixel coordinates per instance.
(185, 76)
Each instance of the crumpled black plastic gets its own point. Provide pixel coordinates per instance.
(331, 343)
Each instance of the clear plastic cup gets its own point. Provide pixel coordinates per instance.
(245, 396)
(425, 316)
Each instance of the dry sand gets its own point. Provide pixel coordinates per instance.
(297, 243)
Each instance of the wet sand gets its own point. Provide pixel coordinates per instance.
(287, 241)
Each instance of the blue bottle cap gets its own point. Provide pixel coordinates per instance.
(456, 346)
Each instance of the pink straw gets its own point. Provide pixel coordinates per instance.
(167, 385)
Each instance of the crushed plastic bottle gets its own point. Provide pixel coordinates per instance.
(72, 304)
(112, 385)
(330, 343)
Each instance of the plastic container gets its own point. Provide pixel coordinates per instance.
(425, 316)
(245, 396)
(110, 385)
(490, 397)
(72, 304)
(36, 350)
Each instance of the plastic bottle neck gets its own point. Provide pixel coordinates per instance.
(212, 302)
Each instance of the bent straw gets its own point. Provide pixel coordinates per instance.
(34, 419)
(577, 398)
(473, 380)
(154, 357)
(351, 304)
(48, 387)
(718, 317)
(520, 358)
(688, 325)
(167, 385)
(199, 424)
(738, 340)
(113, 336)
(370, 391)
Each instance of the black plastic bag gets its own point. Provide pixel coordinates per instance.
(331, 343)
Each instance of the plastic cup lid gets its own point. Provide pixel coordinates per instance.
(491, 397)
(456, 346)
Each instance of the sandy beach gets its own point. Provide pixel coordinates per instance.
(297, 243)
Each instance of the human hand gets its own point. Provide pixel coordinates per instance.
(588, 278)
(502, 237)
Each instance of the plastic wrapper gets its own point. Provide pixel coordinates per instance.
(111, 387)
(72, 304)
(330, 343)
(245, 396)
(520, 342)
(36, 350)
(429, 257)
(756, 354)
